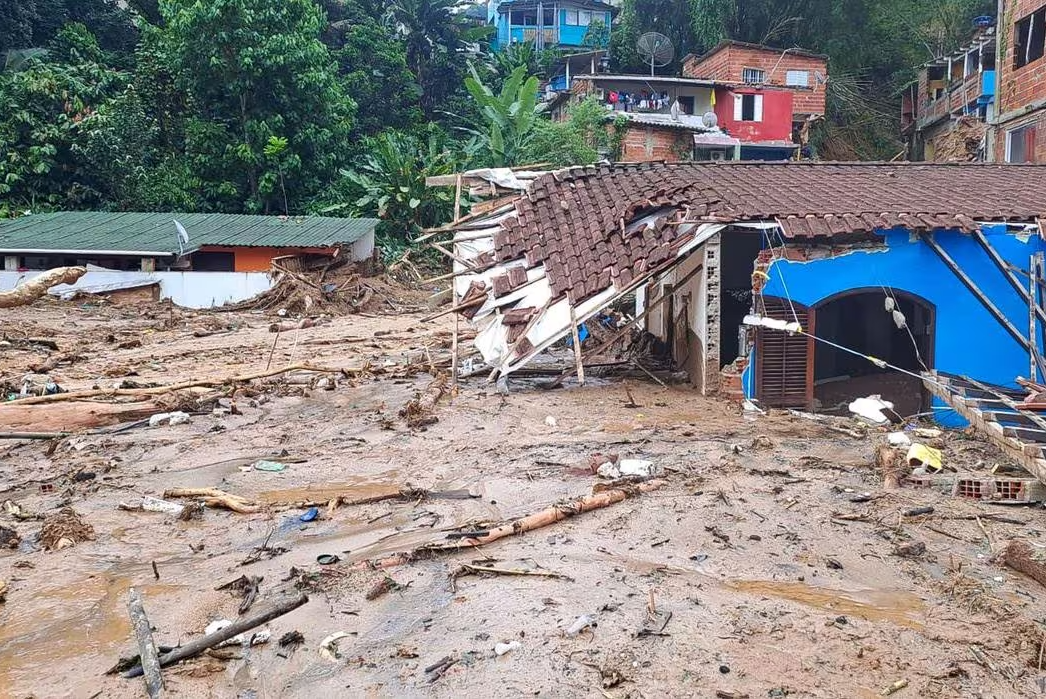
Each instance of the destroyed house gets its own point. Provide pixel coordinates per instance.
(800, 285)
(195, 260)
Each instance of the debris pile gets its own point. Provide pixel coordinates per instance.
(312, 284)
(63, 529)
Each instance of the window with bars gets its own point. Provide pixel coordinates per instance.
(753, 76)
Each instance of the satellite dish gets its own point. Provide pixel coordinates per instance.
(710, 120)
(183, 237)
(656, 49)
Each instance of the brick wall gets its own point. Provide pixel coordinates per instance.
(728, 63)
(1038, 118)
(647, 143)
(1017, 87)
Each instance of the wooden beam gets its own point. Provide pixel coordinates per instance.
(624, 331)
(1014, 448)
(1027, 434)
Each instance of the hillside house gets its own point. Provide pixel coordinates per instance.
(945, 114)
(562, 24)
(751, 69)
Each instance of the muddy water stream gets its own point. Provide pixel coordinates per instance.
(894, 606)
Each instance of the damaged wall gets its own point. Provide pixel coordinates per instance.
(967, 338)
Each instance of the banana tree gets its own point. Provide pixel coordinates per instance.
(505, 128)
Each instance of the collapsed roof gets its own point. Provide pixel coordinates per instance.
(574, 241)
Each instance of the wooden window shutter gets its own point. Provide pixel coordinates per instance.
(784, 363)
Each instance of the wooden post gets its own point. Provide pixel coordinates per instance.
(1032, 320)
(577, 348)
(457, 197)
(146, 647)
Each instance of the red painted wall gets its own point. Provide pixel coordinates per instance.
(777, 115)
(728, 62)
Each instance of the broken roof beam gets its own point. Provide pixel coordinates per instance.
(1000, 318)
(1005, 268)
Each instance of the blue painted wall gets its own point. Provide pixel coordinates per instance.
(569, 35)
(967, 340)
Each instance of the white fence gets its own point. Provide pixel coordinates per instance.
(188, 289)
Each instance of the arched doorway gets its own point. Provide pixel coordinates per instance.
(867, 321)
(795, 371)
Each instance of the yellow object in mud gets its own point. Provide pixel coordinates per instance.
(927, 457)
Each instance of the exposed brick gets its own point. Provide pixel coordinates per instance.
(727, 62)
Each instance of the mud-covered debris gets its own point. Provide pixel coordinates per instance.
(913, 549)
(762, 443)
(191, 511)
(63, 529)
(3, 591)
(292, 639)
(9, 538)
(382, 587)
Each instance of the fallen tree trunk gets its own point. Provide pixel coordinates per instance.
(550, 515)
(239, 626)
(212, 497)
(15, 416)
(146, 646)
(160, 390)
(1020, 556)
(27, 292)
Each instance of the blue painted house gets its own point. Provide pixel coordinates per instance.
(568, 24)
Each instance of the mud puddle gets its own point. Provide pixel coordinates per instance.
(894, 606)
(80, 624)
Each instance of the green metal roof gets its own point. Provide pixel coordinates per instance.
(131, 233)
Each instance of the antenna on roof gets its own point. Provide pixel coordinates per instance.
(183, 237)
(656, 49)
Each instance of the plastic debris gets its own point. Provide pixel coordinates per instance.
(898, 439)
(550, 421)
(585, 621)
(271, 466)
(772, 323)
(175, 418)
(151, 504)
(503, 648)
(326, 559)
(329, 646)
(922, 456)
(871, 409)
(310, 514)
(628, 467)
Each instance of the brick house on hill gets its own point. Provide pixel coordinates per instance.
(1020, 125)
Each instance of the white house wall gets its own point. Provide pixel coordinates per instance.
(187, 289)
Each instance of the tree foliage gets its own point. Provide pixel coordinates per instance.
(502, 134)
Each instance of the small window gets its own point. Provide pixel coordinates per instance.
(550, 18)
(1031, 38)
(753, 76)
(686, 103)
(571, 17)
(748, 107)
(584, 18)
(797, 78)
(1020, 145)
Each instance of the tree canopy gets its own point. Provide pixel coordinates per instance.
(345, 106)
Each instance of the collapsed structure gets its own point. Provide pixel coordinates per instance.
(892, 271)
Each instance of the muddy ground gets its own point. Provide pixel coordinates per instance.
(774, 582)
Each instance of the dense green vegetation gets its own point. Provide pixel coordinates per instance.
(345, 106)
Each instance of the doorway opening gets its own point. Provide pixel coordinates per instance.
(739, 248)
(896, 327)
